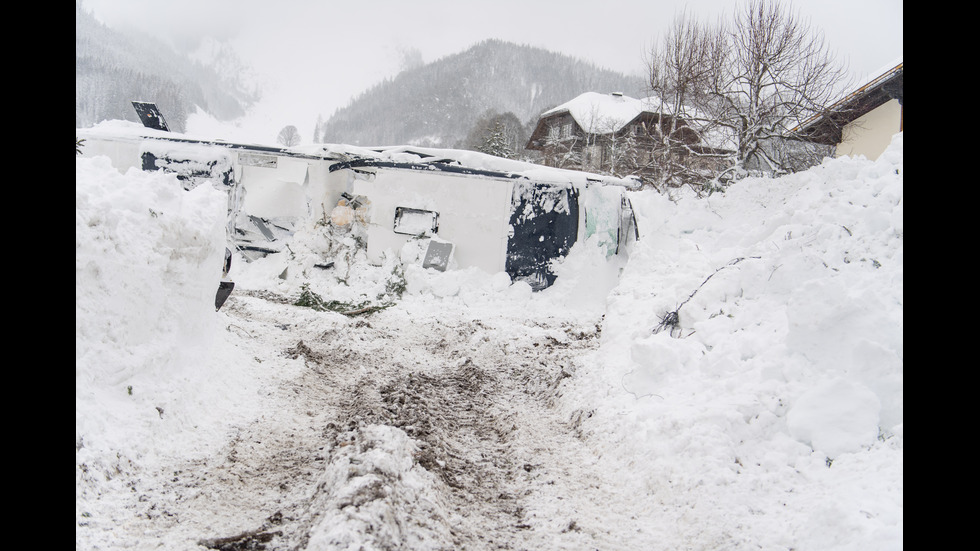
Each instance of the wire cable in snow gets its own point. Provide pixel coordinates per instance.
(672, 320)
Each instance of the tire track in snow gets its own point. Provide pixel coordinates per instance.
(404, 432)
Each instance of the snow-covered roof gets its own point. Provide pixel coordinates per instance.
(877, 78)
(464, 160)
(599, 113)
(871, 92)
(882, 72)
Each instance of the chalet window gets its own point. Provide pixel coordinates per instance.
(566, 130)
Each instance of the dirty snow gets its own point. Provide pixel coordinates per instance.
(472, 413)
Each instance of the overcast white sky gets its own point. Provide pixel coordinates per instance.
(323, 52)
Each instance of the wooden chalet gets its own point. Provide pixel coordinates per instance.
(612, 133)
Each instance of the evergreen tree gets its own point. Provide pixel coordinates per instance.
(495, 141)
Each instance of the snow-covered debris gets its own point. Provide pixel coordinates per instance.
(378, 477)
(769, 416)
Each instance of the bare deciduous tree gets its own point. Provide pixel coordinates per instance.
(753, 79)
(681, 72)
(778, 74)
(288, 136)
(564, 146)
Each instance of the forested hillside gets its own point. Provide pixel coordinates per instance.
(456, 101)
(439, 103)
(112, 69)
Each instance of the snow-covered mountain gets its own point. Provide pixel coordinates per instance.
(438, 103)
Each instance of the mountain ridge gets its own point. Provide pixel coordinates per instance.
(438, 104)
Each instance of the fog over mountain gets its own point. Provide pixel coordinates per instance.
(113, 68)
(438, 104)
(445, 103)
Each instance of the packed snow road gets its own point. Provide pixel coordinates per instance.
(398, 432)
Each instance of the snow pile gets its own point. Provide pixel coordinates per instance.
(379, 475)
(147, 263)
(773, 407)
(148, 259)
